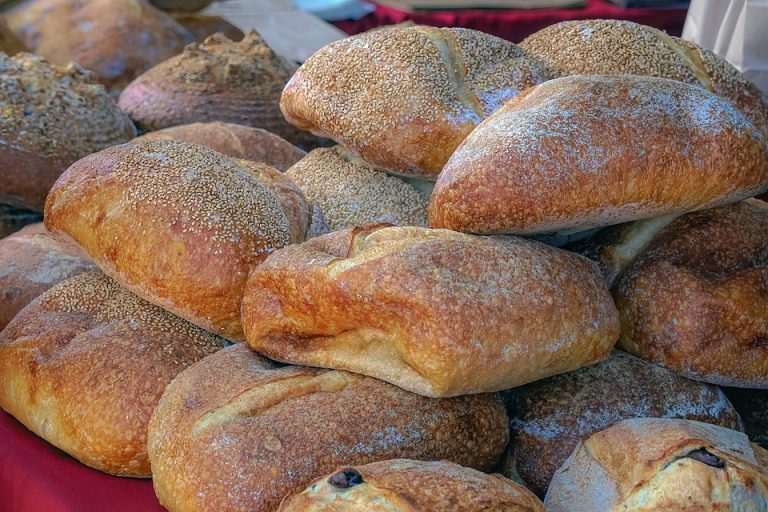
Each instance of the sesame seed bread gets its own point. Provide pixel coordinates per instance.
(352, 193)
(403, 98)
(180, 225)
(201, 26)
(548, 418)
(435, 312)
(52, 116)
(586, 151)
(84, 365)
(412, 486)
(652, 464)
(116, 39)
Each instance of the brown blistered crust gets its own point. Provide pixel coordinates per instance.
(12, 219)
(617, 47)
(31, 262)
(403, 485)
(696, 301)
(10, 44)
(116, 39)
(180, 225)
(587, 151)
(549, 418)
(84, 365)
(181, 5)
(217, 80)
(51, 117)
(247, 435)
(352, 193)
(403, 98)
(235, 141)
(752, 405)
(436, 312)
(202, 26)
(652, 464)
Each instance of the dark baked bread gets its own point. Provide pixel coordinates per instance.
(412, 486)
(247, 434)
(84, 365)
(202, 26)
(548, 418)
(752, 405)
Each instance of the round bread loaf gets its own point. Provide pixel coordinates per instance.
(587, 151)
(217, 80)
(31, 262)
(235, 141)
(85, 364)
(180, 225)
(13, 219)
(52, 116)
(412, 486)
(435, 312)
(652, 464)
(403, 98)
(116, 39)
(618, 47)
(695, 300)
(752, 405)
(201, 26)
(182, 5)
(247, 434)
(548, 418)
(10, 44)
(352, 193)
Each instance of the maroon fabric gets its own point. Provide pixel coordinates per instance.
(516, 25)
(37, 477)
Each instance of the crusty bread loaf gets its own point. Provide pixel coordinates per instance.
(548, 418)
(13, 219)
(618, 47)
(403, 98)
(435, 312)
(352, 193)
(116, 39)
(652, 464)
(201, 26)
(752, 406)
(412, 486)
(247, 434)
(84, 365)
(695, 300)
(180, 225)
(10, 44)
(235, 141)
(52, 116)
(217, 80)
(30, 263)
(182, 5)
(586, 151)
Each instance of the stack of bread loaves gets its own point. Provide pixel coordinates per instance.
(377, 325)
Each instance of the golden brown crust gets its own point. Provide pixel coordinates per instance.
(403, 98)
(550, 417)
(85, 364)
(52, 117)
(116, 39)
(182, 5)
(201, 26)
(234, 141)
(564, 156)
(436, 312)
(695, 301)
(180, 225)
(247, 435)
(653, 464)
(402, 485)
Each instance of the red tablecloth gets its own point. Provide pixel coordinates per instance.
(36, 477)
(516, 25)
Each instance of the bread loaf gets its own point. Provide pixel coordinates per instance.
(84, 365)
(235, 141)
(52, 116)
(31, 262)
(116, 39)
(403, 98)
(548, 418)
(654, 464)
(201, 26)
(412, 486)
(352, 193)
(435, 312)
(180, 225)
(10, 44)
(217, 80)
(248, 434)
(618, 47)
(752, 405)
(582, 152)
